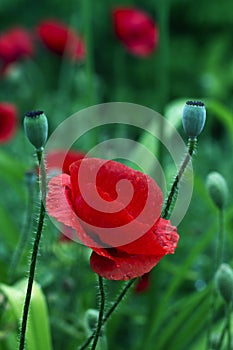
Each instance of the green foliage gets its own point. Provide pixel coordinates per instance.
(194, 61)
(38, 332)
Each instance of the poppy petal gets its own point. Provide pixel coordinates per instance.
(122, 267)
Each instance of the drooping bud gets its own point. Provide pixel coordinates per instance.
(224, 282)
(90, 323)
(193, 119)
(217, 188)
(36, 128)
(30, 178)
(91, 318)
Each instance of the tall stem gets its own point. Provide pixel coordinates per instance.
(89, 62)
(218, 261)
(229, 337)
(226, 329)
(101, 313)
(173, 192)
(110, 311)
(32, 263)
(220, 239)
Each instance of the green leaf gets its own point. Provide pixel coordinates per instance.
(9, 231)
(12, 171)
(222, 114)
(146, 142)
(38, 333)
(173, 111)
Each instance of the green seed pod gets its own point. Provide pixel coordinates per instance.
(217, 188)
(30, 178)
(91, 318)
(36, 128)
(224, 282)
(193, 119)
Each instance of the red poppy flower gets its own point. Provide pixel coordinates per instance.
(60, 39)
(61, 160)
(57, 162)
(115, 211)
(136, 30)
(15, 44)
(142, 284)
(8, 121)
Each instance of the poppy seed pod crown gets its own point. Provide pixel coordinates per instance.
(36, 128)
(193, 119)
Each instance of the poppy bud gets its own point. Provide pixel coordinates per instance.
(91, 318)
(217, 188)
(36, 128)
(30, 178)
(224, 282)
(193, 119)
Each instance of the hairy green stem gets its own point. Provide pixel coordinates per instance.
(174, 189)
(33, 261)
(110, 311)
(101, 313)
(218, 261)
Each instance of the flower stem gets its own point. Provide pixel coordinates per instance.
(220, 239)
(174, 189)
(33, 260)
(101, 313)
(218, 261)
(229, 326)
(226, 328)
(110, 311)
(118, 300)
(89, 62)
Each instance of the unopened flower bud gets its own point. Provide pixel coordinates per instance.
(193, 119)
(91, 318)
(217, 188)
(224, 282)
(36, 128)
(30, 178)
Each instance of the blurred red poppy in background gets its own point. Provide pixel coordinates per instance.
(15, 45)
(8, 121)
(142, 284)
(136, 30)
(60, 39)
(60, 160)
(114, 256)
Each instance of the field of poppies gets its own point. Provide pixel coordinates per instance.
(116, 213)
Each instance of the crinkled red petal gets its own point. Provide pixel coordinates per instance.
(122, 267)
(109, 177)
(161, 239)
(59, 206)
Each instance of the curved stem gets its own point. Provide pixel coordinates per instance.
(229, 326)
(218, 260)
(226, 329)
(110, 311)
(173, 192)
(118, 300)
(89, 62)
(32, 264)
(220, 239)
(101, 313)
